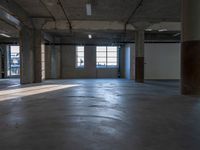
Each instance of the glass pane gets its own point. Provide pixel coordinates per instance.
(80, 56)
(101, 64)
(101, 48)
(114, 64)
(112, 59)
(112, 54)
(80, 48)
(101, 54)
(14, 61)
(112, 48)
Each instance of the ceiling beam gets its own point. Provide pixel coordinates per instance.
(9, 19)
(133, 12)
(14, 10)
(87, 25)
(66, 16)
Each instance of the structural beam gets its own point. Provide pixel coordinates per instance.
(86, 25)
(16, 11)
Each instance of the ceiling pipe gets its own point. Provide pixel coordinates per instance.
(54, 19)
(133, 13)
(66, 16)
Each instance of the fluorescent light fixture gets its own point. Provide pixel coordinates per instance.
(149, 30)
(177, 34)
(89, 36)
(88, 9)
(162, 30)
(5, 35)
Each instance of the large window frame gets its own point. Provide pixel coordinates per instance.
(80, 57)
(107, 57)
(13, 61)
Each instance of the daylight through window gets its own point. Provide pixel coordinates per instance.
(107, 56)
(80, 57)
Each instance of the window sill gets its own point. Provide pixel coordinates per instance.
(106, 67)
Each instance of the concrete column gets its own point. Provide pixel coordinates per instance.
(30, 55)
(3, 61)
(53, 62)
(1, 53)
(37, 43)
(48, 62)
(26, 56)
(56, 61)
(139, 56)
(190, 54)
(43, 63)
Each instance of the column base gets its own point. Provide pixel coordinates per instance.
(190, 68)
(139, 69)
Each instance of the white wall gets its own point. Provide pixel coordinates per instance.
(162, 61)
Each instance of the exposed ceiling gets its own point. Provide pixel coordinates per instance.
(108, 17)
(106, 10)
(8, 30)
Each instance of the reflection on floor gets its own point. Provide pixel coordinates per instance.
(99, 114)
(7, 83)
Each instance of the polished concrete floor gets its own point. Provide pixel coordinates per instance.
(104, 114)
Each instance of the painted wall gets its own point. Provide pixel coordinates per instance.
(129, 61)
(162, 61)
(69, 70)
(52, 62)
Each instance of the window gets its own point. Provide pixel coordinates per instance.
(107, 56)
(80, 57)
(13, 61)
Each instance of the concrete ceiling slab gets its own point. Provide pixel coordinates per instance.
(8, 30)
(107, 10)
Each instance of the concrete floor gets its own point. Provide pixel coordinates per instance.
(99, 114)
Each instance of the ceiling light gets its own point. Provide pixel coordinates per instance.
(177, 34)
(162, 30)
(88, 9)
(5, 35)
(89, 36)
(149, 30)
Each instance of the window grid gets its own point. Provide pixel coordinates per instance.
(109, 61)
(80, 57)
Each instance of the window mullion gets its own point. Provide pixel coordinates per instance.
(106, 56)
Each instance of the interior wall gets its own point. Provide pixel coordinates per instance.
(122, 62)
(69, 70)
(162, 61)
(129, 61)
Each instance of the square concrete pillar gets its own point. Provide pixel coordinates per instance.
(37, 43)
(30, 55)
(26, 56)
